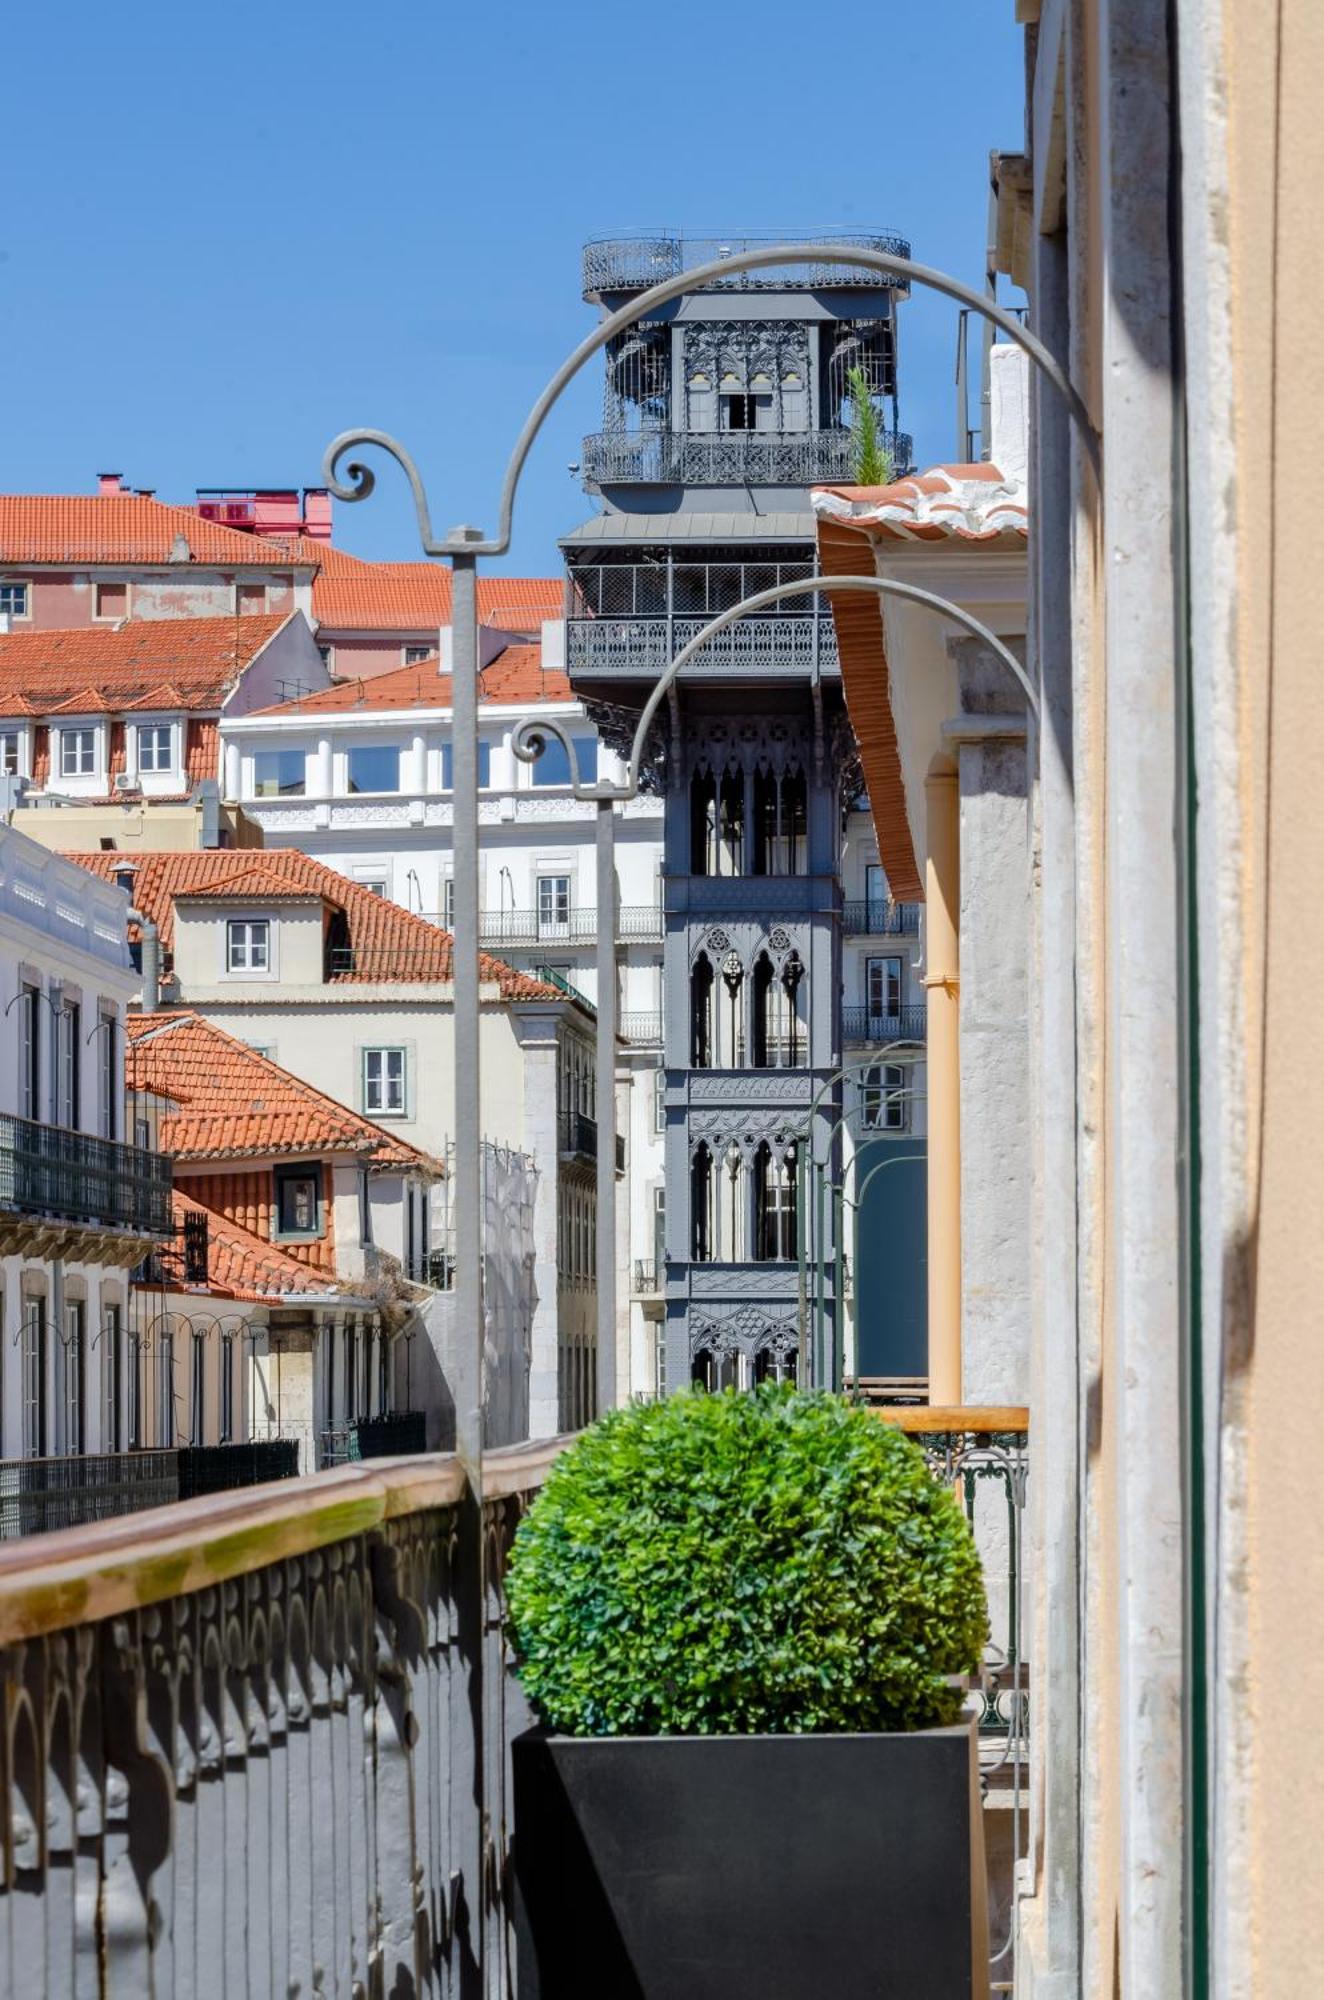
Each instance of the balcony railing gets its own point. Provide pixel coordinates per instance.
(754, 647)
(633, 263)
(880, 918)
(53, 1171)
(647, 1277)
(577, 1138)
(867, 1024)
(635, 923)
(38, 1495)
(645, 1030)
(729, 458)
(398, 1434)
(283, 1682)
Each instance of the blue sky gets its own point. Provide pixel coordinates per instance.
(230, 231)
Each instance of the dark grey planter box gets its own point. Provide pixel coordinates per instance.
(750, 1867)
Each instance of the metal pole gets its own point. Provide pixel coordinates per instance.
(839, 1294)
(606, 1103)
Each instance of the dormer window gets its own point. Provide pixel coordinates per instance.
(155, 746)
(78, 753)
(248, 944)
(13, 600)
(298, 1202)
(112, 600)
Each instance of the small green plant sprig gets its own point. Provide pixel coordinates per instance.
(873, 461)
(740, 1563)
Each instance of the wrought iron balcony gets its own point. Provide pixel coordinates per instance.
(877, 917)
(866, 1025)
(213, 1621)
(755, 648)
(647, 1278)
(38, 1495)
(53, 1174)
(633, 263)
(635, 924)
(577, 1138)
(728, 458)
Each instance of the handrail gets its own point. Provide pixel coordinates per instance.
(75, 1576)
(980, 1418)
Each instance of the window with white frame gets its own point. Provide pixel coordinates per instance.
(68, 1062)
(553, 902)
(156, 749)
(108, 1074)
(279, 774)
(883, 1098)
(13, 600)
(9, 753)
(415, 655)
(248, 944)
(78, 752)
(552, 765)
(484, 766)
(882, 987)
(385, 1075)
(374, 767)
(659, 1099)
(448, 902)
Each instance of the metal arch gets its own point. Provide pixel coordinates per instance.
(471, 541)
(882, 586)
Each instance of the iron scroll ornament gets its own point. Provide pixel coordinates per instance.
(530, 737)
(359, 479)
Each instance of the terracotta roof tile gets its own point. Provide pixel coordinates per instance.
(234, 1103)
(125, 529)
(389, 944)
(239, 1264)
(515, 675)
(973, 502)
(174, 663)
(352, 595)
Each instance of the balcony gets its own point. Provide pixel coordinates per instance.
(70, 1194)
(512, 930)
(878, 917)
(577, 1138)
(309, 1685)
(398, 1434)
(790, 646)
(728, 458)
(863, 1025)
(643, 1030)
(38, 1495)
(633, 263)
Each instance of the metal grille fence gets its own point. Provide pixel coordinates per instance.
(56, 1171)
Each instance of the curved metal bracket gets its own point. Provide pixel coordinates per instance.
(471, 541)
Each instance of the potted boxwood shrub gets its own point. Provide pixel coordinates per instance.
(742, 1620)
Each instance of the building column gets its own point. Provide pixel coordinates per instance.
(942, 982)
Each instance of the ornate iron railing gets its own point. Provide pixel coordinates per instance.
(866, 1024)
(51, 1170)
(755, 646)
(642, 1028)
(729, 458)
(38, 1495)
(633, 263)
(877, 917)
(275, 1683)
(551, 977)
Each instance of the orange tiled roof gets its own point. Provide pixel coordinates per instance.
(975, 503)
(125, 529)
(352, 595)
(401, 947)
(239, 1264)
(146, 663)
(234, 1103)
(515, 675)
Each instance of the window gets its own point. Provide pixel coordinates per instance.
(68, 1052)
(883, 1099)
(278, 774)
(30, 1052)
(376, 883)
(484, 766)
(13, 600)
(227, 1387)
(882, 987)
(112, 1379)
(69, 1363)
(155, 746)
(448, 902)
(9, 753)
(328, 654)
(374, 767)
(659, 1100)
(112, 600)
(298, 1202)
(34, 1378)
(248, 944)
(384, 1082)
(165, 1390)
(78, 752)
(553, 766)
(415, 655)
(553, 903)
(108, 1105)
(135, 1392)
(198, 1388)
(875, 895)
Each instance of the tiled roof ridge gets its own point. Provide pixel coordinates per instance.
(975, 502)
(126, 528)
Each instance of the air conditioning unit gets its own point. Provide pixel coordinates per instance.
(122, 782)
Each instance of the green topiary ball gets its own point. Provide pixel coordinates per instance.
(740, 1563)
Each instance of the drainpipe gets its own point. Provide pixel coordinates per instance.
(942, 982)
(151, 955)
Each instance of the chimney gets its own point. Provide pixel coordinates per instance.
(110, 482)
(1009, 411)
(145, 492)
(317, 513)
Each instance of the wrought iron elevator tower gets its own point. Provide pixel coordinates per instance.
(719, 412)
